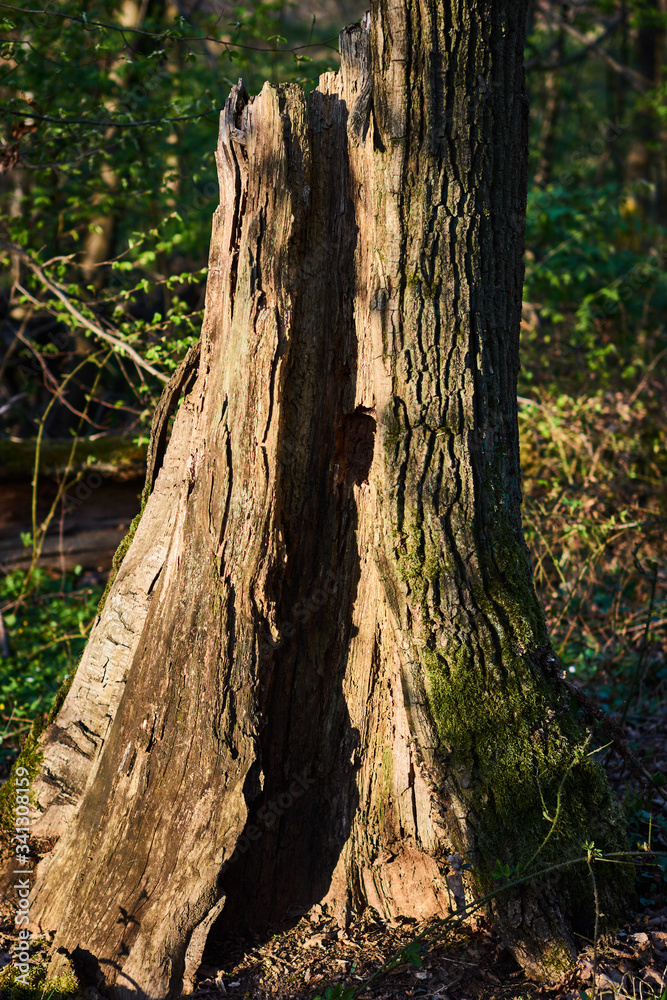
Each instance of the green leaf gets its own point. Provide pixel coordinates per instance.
(501, 870)
(411, 954)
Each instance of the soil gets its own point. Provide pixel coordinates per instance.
(469, 964)
(98, 515)
(465, 963)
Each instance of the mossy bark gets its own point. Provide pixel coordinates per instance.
(342, 673)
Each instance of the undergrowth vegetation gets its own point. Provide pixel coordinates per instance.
(47, 619)
(594, 515)
(36, 985)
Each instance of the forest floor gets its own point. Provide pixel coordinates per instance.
(469, 965)
(317, 958)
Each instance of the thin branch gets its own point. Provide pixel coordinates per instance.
(87, 157)
(107, 123)
(95, 328)
(14, 344)
(10, 402)
(50, 381)
(54, 62)
(164, 34)
(636, 80)
(537, 63)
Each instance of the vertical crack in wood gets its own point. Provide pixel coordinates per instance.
(236, 173)
(179, 383)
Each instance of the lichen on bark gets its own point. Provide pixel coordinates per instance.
(528, 792)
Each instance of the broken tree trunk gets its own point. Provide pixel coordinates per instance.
(322, 667)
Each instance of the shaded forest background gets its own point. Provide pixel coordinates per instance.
(109, 122)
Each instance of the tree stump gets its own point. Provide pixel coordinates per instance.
(322, 668)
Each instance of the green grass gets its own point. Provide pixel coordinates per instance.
(47, 620)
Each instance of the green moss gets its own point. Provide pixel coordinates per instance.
(388, 768)
(35, 985)
(386, 784)
(59, 699)
(531, 793)
(411, 557)
(433, 564)
(30, 758)
(420, 564)
(427, 289)
(557, 962)
(393, 433)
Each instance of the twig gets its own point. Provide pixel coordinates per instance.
(122, 29)
(636, 80)
(537, 63)
(633, 398)
(436, 927)
(4, 641)
(50, 382)
(107, 121)
(54, 642)
(612, 730)
(637, 679)
(116, 342)
(597, 920)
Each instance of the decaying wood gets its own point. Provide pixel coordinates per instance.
(72, 744)
(321, 671)
(165, 409)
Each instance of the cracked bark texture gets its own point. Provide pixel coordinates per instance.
(322, 667)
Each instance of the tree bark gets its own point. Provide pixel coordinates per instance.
(322, 667)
